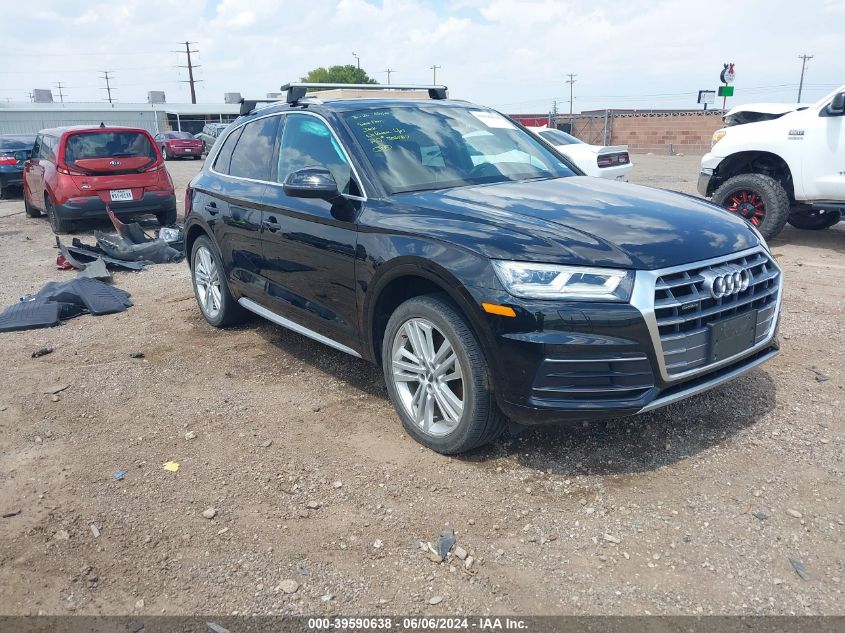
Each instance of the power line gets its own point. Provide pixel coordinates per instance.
(61, 94)
(105, 76)
(571, 82)
(434, 74)
(190, 68)
(804, 59)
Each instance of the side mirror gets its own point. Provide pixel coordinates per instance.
(837, 106)
(312, 182)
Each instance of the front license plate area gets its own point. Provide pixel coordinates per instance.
(121, 195)
(732, 336)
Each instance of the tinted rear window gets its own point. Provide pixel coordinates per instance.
(16, 142)
(556, 137)
(253, 155)
(108, 145)
(178, 135)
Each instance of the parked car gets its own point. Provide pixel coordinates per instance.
(179, 145)
(777, 164)
(600, 161)
(74, 172)
(486, 288)
(210, 133)
(15, 150)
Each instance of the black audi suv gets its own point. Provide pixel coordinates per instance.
(486, 275)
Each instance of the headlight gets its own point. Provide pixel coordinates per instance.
(550, 281)
(718, 135)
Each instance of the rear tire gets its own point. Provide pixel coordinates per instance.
(445, 400)
(211, 289)
(164, 153)
(760, 199)
(814, 220)
(166, 218)
(59, 225)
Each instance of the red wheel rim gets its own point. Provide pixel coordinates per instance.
(749, 204)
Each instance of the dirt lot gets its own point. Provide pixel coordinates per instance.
(696, 508)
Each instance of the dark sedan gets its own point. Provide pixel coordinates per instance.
(15, 150)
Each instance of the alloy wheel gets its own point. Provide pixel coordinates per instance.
(748, 204)
(428, 377)
(207, 281)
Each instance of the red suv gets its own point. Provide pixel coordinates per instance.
(74, 172)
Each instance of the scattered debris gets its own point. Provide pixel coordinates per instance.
(313, 505)
(378, 543)
(266, 444)
(222, 531)
(794, 513)
(337, 484)
(136, 355)
(460, 552)
(120, 474)
(435, 600)
(170, 466)
(216, 628)
(820, 375)
(55, 397)
(289, 586)
(139, 604)
(209, 513)
(327, 597)
(798, 566)
(612, 539)
(95, 530)
(11, 513)
(137, 626)
(469, 562)
(445, 542)
(95, 270)
(54, 389)
(760, 515)
(42, 352)
(191, 435)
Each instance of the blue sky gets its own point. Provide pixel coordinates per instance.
(509, 54)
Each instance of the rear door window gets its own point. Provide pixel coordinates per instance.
(253, 155)
(88, 149)
(224, 157)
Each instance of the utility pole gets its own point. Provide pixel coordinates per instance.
(388, 71)
(105, 76)
(804, 59)
(190, 68)
(31, 96)
(553, 115)
(59, 86)
(570, 81)
(434, 74)
(357, 59)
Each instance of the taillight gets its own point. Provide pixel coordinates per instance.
(609, 160)
(154, 167)
(188, 195)
(624, 159)
(8, 160)
(68, 172)
(604, 161)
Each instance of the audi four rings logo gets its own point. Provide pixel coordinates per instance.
(724, 281)
(115, 163)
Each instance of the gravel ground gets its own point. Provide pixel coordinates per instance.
(317, 498)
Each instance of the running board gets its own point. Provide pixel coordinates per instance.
(261, 311)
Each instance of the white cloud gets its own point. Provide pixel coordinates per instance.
(507, 53)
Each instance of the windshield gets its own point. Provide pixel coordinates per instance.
(556, 137)
(417, 149)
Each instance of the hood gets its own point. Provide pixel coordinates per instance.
(576, 220)
(756, 112)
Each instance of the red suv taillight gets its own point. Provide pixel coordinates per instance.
(8, 160)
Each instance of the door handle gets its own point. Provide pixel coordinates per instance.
(211, 207)
(272, 224)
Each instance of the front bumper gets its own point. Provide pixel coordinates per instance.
(704, 178)
(82, 208)
(557, 362)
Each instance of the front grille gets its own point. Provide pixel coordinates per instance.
(684, 308)
(566, 380)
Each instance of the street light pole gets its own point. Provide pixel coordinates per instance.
(434, 74)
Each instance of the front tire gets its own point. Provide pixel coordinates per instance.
(758, 198)
(813, 219)
(211, 290)
(438, 378)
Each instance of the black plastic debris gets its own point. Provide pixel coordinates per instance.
(126, 249)
(445, 542)
(85, 254)
(42, 352)
(799, 569)
(96, 270)
(58, 301)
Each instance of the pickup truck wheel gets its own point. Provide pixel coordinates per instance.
(437, 377)
(760, 199)
(211, 290)
(814, 219)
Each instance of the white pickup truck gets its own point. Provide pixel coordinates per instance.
(775, 164)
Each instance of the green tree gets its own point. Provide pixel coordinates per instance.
(348, 74)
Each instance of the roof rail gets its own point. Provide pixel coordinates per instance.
(248, 105)
(296, 91)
